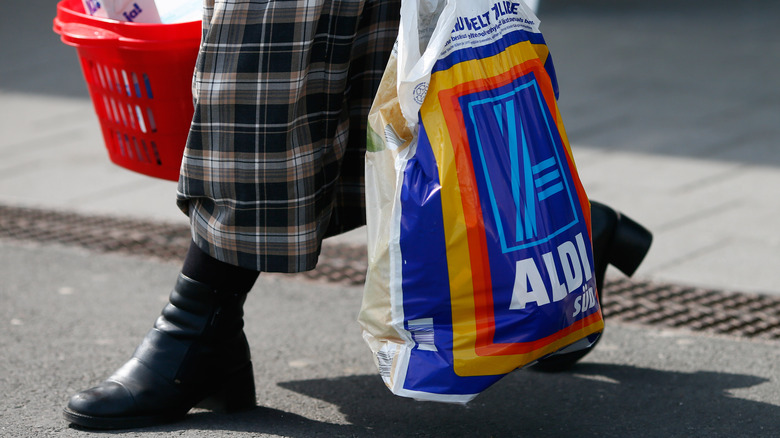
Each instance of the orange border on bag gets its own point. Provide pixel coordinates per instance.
(470, 284)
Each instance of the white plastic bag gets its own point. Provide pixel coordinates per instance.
(425, 28)
(479, 256)
(427, 25)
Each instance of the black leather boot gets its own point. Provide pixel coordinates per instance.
(617, 241)
(196, 355)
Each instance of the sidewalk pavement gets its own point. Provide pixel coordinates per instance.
(73, 317)
(673, 112)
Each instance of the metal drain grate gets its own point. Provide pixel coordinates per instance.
(648, 303)
(698, 309)
(97, 233)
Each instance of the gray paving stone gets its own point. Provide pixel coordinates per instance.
(733, 264)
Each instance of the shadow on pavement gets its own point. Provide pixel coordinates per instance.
(592, 400)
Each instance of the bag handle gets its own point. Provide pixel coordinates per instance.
(416, 56)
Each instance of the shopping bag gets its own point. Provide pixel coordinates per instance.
(479, 248)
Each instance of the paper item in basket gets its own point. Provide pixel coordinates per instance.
(179, 11)
(134, 11)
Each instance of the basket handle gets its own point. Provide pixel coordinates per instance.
(79, 34)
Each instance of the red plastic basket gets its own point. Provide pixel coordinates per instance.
(139, 77)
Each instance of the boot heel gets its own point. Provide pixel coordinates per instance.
(236, 394)
(629, 245)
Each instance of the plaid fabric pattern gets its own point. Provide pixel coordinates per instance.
(275, 157)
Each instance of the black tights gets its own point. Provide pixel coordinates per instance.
(221, 276)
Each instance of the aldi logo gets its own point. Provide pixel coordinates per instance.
(493, 223)
(526, 166)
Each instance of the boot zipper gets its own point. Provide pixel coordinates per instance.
(215, 316)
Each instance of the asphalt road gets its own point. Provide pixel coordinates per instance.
(70, 317)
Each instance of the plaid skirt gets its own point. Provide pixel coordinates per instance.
(274, 161)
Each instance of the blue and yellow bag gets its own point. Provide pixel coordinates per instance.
(480, 257)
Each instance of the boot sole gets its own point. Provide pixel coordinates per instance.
(110, 423)
(237, 393)
(629, 245)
